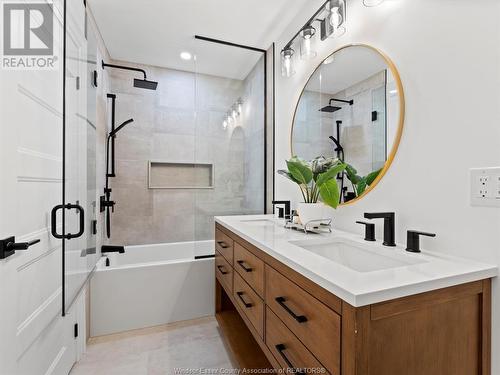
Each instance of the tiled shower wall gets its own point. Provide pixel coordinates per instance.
(182, 122)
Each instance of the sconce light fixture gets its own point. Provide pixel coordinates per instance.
(287, 69)
(332, 19)
(307, 35)
(233, 113)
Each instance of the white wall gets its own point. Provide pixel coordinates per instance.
(447, 53)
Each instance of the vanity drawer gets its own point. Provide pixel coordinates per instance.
(311, 321)
(250, 303)
(224, 245)
(250, 268)
(224, 272)
(286, 348)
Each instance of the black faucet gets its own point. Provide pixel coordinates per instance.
(287, 208)
(413, 240)
(112, 249)
(389, 225)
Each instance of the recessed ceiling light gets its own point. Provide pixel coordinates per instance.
(186, 56)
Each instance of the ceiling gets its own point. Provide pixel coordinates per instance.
(155, 32)
(348, 67)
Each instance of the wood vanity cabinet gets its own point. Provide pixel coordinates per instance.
(273, 317)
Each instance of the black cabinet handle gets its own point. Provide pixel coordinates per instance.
(221, 270)
(242, 265)
(298, 318)
(53, 221)
(223, 244)
(281, 350)
(240, 296)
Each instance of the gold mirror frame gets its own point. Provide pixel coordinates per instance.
(399, 133)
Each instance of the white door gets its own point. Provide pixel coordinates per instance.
(34, 336)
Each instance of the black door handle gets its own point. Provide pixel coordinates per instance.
(298, 318)
(53, 221)
(240, 296)
(9, 246)
(281, 350)
(221, 270)
(242, 265)
(223, 244)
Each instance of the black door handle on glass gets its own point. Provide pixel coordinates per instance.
(298, 318)
(240, 296)
(53, 221)
(9, 246)
(223, 244)
(242, 265)
(221, 270)
(281, 350)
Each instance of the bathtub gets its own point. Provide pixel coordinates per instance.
(151, 285)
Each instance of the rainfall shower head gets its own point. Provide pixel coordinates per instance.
(331, 108)
(145, 84)
(113, 133)
(139, 83)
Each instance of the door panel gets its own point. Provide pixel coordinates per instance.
(34, 337)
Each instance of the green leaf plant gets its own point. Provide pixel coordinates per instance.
(316, 178)
(360, 183)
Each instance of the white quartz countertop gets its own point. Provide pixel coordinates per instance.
(425, 271)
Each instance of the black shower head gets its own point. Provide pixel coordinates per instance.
(139, 83)
(145, 84)
(330, 109)
(113, 133)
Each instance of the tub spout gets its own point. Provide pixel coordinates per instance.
(112, 249)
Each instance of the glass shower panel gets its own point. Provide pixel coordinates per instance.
(379, 129)
(229, 133)
(76, 153)
(91, 208)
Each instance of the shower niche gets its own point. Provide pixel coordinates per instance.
(351, 108)
(175, 175)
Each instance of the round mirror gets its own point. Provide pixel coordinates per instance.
(352, 108)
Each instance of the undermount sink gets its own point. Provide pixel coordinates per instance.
(356, 256)
(259, 222)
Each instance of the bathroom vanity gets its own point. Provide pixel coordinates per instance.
(334, 303)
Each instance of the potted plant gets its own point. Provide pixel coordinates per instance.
(316, 179)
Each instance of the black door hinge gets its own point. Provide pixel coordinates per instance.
(76, 330)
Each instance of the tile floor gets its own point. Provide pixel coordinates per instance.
(195, 344)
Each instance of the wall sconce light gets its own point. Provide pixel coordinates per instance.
(333, 25)
(287, 69)
(332, 18)
(372, 3)
(307, 35)
(239, 104)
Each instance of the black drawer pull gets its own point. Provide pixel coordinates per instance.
(298, 318)
(221, 270)
(242, 265)
(281, 349)
(223, 244)
(247, 304)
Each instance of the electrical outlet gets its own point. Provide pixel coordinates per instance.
(485, 187)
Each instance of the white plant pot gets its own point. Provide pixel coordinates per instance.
(312, 211)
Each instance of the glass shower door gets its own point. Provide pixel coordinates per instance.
(78, 211)
(229, 134)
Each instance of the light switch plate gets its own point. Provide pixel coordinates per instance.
(485, 187)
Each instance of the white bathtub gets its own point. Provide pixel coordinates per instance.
(151, 285)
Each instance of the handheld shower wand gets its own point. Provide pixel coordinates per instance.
(107, 202)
